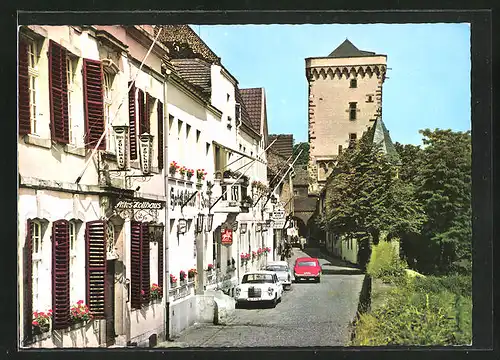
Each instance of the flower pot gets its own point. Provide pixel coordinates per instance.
(38, 330)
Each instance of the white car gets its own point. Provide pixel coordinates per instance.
(283, 271)
(259, 287)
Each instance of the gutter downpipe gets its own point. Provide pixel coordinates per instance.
(166, 262)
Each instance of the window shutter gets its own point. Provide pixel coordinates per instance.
(142, 113)
(135, 264)
(160, 263)
(58, 91)
(132, 119)
(147, 122)
(93, 102)
(146, 253)
(24, 90)
(159, 110)
(28, 281)
(95, 239)
(60, 274)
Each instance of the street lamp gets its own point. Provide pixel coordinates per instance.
(199, 223)
(210, 221)
(155, 231)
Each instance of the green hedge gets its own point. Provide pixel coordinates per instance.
(385, 264)
(424, 311)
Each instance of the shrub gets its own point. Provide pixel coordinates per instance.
(417, 319)
(385, 264)
(456, 284)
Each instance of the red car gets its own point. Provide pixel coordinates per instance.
(307, 268)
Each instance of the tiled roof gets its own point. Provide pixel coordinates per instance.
(301, 175)
(195, 71)
(253, 103)
(347, 49)
(245, 117)
(379, 134)
(283, 144)
(183, 42)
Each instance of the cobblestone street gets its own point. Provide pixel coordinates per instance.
(310, 314)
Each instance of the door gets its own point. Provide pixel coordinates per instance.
(110, 303)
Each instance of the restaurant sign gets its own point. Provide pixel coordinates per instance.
(138, 205)
(227, 236)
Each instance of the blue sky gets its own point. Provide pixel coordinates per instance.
(428, 85)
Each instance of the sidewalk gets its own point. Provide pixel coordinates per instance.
(331, 264)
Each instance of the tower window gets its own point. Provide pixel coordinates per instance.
(352, 110)
(369, 98)
(354, 83)
(352, 139)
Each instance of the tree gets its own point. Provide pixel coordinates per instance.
(444, 190)
(304, 156)
(364, 198)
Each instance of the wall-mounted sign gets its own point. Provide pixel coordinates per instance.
(146, 143)
(121, 146)
(179, 196)
(136, 205)
(278, 214)
(181, 226)
(227, 237)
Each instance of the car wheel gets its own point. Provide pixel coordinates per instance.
(275, 301)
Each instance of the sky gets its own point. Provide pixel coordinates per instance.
(427, 85)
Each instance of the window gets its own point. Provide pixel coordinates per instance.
(237, 111)
(170, 122)
(369, 98)
(352, 139)
(142, 103)
(132, 119)
(36, 240)
(224, 192)
(179, 128)
(93, 103)
(33, 75)
(352, 110)
(228, 97)
(140, 265)
(108, 101)
(354, 83)
(198, 133)
(73, 262)
(27, 77)
(188, 131)
(207, 151)
(70, 76)
(340, 149)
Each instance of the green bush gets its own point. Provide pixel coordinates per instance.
(416, 318)
(457, 284)
(385, 264)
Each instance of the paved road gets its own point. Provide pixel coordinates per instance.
(310, 314)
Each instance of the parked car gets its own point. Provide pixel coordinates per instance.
(307, 268)
(283, 271)
(259, 287)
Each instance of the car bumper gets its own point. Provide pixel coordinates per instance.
(264, 298)
(299, 277)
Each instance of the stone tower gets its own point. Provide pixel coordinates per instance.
(345, 100)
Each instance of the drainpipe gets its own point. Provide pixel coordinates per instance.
(166, 261)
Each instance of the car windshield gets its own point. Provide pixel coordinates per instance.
(257, 279)
(306, 263)
(277, 268)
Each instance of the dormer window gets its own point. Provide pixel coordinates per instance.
(354, 83)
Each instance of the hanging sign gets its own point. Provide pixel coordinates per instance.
(130, 204)
(146, 142)
(121, 146)
(227, 236)
(181, 226)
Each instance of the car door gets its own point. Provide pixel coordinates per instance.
(279, 285)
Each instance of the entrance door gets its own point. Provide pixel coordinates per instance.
(110, 303)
